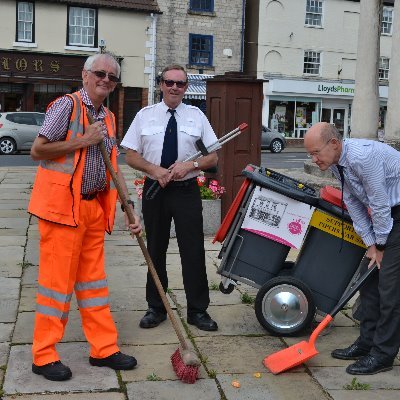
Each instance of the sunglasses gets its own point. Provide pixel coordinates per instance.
(102, 75)
(170, 83)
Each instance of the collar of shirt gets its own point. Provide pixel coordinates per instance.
(179, 109)
(86, 100)
(343, 155)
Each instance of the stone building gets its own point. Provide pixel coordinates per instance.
(44, 43)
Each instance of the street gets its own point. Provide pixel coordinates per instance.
(286, 159)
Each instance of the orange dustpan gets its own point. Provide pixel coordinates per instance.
(303, 351)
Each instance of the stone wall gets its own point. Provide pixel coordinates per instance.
(176, 22)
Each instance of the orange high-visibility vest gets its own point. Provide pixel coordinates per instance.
(56, 193)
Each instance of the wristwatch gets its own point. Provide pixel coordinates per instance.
(380, 247)
(129, 202)
(196, 164)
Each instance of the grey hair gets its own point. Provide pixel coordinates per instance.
(90, 61)
(330, 132)
(173, 67)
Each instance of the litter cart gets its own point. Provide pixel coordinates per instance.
(271, 214)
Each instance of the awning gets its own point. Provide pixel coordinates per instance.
(197, 86)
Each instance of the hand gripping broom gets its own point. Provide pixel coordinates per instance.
(301, 352)
(184, 361)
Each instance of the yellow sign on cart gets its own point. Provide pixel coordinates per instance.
(333, 226)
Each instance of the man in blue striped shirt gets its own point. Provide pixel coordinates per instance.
(371, 173)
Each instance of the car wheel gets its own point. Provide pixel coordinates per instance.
(276, 146)
(7, 146)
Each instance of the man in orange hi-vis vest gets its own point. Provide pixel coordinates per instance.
(75, 201)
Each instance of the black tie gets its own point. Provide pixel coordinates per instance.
(170, 147)
(341, 173)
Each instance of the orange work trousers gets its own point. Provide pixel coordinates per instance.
(72, 259)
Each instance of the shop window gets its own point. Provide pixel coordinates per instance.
(312, 62)
(387, 21)
(314, 13)
(200, 49)
(25, 10)
(384, 65)
(81, 26)
(202, 5)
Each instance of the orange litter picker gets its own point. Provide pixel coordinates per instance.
(303, 351)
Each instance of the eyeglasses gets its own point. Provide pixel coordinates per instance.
(316, 153)
(170, 83)
(102, 75)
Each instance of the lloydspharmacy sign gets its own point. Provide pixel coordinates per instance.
(335, 89)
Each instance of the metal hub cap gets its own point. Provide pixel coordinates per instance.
(285, 306)
(6, 146)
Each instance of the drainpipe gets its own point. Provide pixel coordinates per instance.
(243, 26)
(152, 75)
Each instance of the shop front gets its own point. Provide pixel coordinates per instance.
(293, 106)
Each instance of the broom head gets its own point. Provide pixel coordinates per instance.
(185, 372)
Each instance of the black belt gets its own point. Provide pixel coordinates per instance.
(89, 196)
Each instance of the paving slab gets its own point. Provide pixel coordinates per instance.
(203, 389)
(11, 270)
(153, 359)
(365, 394)
(20, 379)
(216, 297)
(237, 354)
(70, 396)
(30, 275)
(5, 332)
(15, 204)
(334, 378)
(12, 241)
(130, 333)
(237, 319)
(300, 386)
(4, 350)
(14, 222)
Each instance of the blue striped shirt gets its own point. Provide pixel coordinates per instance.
(372, 180)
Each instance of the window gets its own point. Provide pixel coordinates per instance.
(200, 49)
(387, 19)
(202, 5)
(384, 65)
(24, 21)
(312, 62)
(313, 13)
(81, 26)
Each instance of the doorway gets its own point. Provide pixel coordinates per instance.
(336, 116)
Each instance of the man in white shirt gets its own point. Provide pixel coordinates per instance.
(159, 138)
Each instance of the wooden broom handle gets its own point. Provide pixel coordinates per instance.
(140, 240)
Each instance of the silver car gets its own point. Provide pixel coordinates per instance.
(18, 130)
(272, 140)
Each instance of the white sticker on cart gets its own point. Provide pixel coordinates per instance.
(277, 217)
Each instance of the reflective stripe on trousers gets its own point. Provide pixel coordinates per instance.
(72, 259)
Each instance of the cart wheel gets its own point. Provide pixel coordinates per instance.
(284, 306)
(228, 290)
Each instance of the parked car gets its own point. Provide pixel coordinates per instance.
(18, 130)
(272, 140)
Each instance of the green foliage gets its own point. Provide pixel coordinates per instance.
(247, 299)
(355, 385)
(153, 377)
(214, 286)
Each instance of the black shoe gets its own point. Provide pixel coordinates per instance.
(368, 365)
(152, 318)
(202, 321)
(55, 371)
(115, 361)
(353, 352)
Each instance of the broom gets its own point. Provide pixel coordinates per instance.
(184, 361)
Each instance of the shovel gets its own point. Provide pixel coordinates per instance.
(301, 352)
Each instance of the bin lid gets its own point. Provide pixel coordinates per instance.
(332, 195)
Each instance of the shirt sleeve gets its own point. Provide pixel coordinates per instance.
(208, 136)
(132, 139)
(55, 124)
(371, 173)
